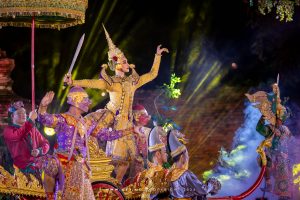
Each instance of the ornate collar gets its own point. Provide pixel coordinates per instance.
(176, 173)
(116, 79)
(75, 122)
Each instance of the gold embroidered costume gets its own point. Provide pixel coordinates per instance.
(117, 114)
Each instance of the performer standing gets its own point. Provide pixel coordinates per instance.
(69, 164)
(118, 111)
(24, 142)
(278, 165)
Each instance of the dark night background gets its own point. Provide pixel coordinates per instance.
(228, 31)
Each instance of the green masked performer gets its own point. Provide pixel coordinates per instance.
(271, 125)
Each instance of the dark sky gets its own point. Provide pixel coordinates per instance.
(227, 31)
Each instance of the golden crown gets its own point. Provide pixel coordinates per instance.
(114, 53)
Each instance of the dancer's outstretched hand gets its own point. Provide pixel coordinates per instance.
(159, 50)
(47, 99)
(68, 79)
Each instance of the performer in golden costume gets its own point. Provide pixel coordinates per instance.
(117, 114)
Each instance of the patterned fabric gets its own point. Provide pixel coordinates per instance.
(75, 183)
(73, 176)
(122, 150)
(65, 124)
(141, 140)
(279, 165)
(102, 118)
(142, 150)
(188, 186)
(65, 127)
(51, 165)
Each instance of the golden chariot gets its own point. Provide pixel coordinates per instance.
(104, 186)
(151, 181)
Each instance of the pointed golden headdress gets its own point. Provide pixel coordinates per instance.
(114, 53)
(270, 104)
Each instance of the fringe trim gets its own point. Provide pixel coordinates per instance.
(68, 17)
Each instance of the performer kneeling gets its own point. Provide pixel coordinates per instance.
(24, 142)
(184, 183)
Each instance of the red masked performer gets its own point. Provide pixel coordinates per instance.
(140, 121)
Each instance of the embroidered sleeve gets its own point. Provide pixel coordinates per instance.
(152, 74)
(194, 185)
(91, 83)
(50, 120)
(107, 134)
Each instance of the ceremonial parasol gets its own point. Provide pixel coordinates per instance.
(54, 14)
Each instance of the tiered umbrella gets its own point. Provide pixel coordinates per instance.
(54, 14)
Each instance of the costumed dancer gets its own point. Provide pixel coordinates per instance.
(69, 164)
(117, 113)
(24, 142)
(163, 132)
(140, 119)
(183, 183)
(158, 157)
(271, 126)
(157, 150)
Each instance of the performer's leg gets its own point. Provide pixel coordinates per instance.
(102, 118)
(118, 150)
(50, 172)
(88, 190)
(283, 177)
(268, 186)
(49, 186)
(268, 172)
(137, 161)
(121, 170)
(74, 181)
(50, 196)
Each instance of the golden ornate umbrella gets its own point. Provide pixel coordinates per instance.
(55, 14)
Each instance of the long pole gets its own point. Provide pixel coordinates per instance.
(32, 66)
